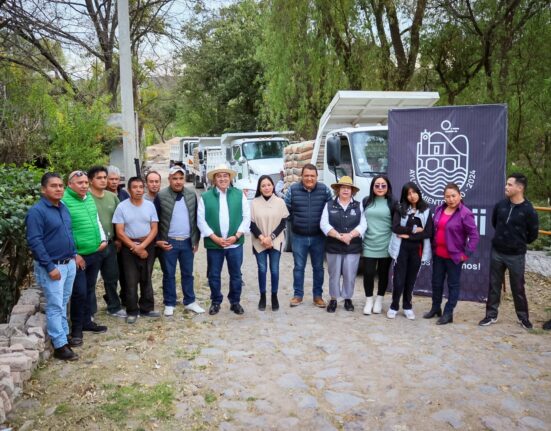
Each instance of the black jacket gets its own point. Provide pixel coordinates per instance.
(515, 226)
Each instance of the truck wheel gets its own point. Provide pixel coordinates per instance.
(288, 241)
(198, 183)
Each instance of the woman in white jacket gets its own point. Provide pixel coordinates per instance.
(409, 246)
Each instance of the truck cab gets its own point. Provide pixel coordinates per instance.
(188, 145)
(352, 137)
(254, 154)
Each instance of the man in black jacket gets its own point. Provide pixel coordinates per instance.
(516, 224)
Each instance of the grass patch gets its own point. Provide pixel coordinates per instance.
(139, 400)
(190, 355)
(210, 398)
(62, 409)
(251, 399)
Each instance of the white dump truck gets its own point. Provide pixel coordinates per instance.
(352, 137)
(254, 154)
(188, 144)
(207, 154)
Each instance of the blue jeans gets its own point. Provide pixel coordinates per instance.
(182, 252)
(440, 268)
(262, 262)
(57, 293)
(84, 293)
(215, 261)
(302, 245)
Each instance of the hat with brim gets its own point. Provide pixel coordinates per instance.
(345, 181)
(219, 170)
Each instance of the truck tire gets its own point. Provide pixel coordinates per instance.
(198, 183)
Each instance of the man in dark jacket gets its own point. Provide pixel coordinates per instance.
(305, 202)
(516, 224)
(178, 237)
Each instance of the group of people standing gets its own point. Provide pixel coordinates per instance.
(92, 226)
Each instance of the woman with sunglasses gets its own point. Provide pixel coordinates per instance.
(268, 216)
(409, 246)
(455, 239)
(378, 211)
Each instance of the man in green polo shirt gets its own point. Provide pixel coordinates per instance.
(106, 202)
(223, 218)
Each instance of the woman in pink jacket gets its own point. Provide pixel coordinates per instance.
(454, 241)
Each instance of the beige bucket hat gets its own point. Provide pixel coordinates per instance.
(221, 169)
(345, 181)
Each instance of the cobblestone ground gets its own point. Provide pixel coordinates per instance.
(300, 368)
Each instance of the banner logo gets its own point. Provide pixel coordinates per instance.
(442, 158)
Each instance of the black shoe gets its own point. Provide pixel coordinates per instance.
(65, 353)
(487, 321)
(445, 319)
(262, 302)
(332, 306)
(74, 341)
(237, 309)
(547, 325)
(95, 328)
(348, 306)
(275, 302)
(433, 312)
(214, 309)
(525, 323)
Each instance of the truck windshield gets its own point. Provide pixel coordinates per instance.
(263, 150)
(370, 151)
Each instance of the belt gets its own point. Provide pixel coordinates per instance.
(63, 261)
(178, 238)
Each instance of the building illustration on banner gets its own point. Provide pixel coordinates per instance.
(441, 159)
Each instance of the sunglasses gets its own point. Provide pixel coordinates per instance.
(77, 174)
(379, 186)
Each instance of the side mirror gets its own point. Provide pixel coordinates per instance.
(333, 150)
(242, 160)
(201, 159)
(232, 162)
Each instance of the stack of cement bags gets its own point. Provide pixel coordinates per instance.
(296, 156)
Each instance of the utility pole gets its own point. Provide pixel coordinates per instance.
(129, 138)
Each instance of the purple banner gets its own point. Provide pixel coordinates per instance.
(465, 145)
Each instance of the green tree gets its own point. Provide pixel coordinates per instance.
(221, 83)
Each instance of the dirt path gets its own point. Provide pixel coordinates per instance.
(300, 368)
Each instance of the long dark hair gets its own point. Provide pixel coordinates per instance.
(262, 178)
(370, 200)
(404, 203)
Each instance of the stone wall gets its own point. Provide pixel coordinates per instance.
(23, 343)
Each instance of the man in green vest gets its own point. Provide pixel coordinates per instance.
(178, 238)
(90, 241)
(223, 218)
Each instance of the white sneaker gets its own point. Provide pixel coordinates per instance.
(194, 307)
(169, 310)
(121, 313)
(391, 314)
(378, 307)
(409, 314)
(368, 305)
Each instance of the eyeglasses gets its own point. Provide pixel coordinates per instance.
(379, 186)
(77, 174)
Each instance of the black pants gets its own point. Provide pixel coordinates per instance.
(83, 295)
(406, 269)
(110, 273)
(138, 271)
(122, 278)
(515, 264)
(379, 266)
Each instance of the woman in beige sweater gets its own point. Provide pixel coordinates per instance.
(268, 216)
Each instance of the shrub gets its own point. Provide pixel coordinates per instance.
(19, 190)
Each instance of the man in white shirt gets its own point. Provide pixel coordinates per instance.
(178, 238)
(223, 218)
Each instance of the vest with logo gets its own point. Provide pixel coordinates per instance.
(344, 222)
